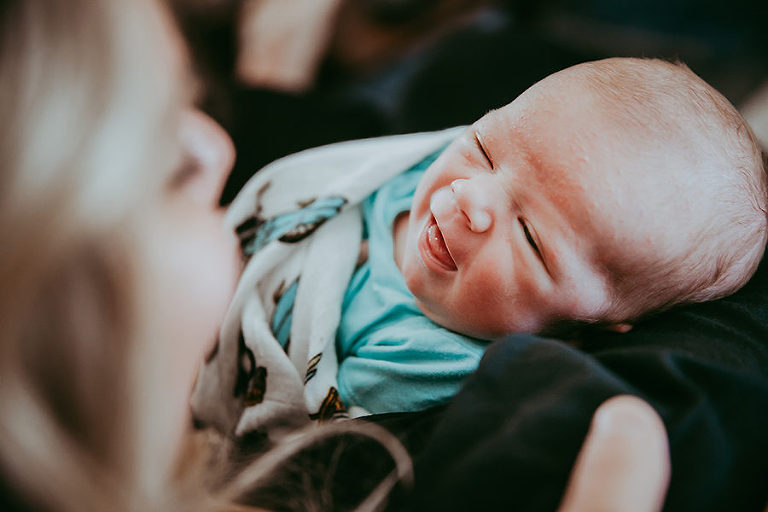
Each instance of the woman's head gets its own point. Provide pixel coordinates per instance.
(115, 266)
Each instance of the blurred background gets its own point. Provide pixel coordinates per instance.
(285, 75)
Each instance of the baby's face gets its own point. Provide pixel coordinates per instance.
(521, 220)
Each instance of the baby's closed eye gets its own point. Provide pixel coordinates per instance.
(483, 150)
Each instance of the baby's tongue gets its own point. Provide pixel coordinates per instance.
(438, 247)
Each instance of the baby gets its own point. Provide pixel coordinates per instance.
(603, 193)
(606, 191)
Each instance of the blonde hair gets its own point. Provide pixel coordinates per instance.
(665, 104)
(89, 121)
(86, 110)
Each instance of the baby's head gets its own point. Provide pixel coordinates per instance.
(606, 191)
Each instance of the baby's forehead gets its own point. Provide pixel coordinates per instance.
(565, 118)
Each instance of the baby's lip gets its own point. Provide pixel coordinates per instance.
(435, 251)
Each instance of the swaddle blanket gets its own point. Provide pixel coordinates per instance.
(300, 227)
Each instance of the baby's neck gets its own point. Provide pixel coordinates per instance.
(399, 235)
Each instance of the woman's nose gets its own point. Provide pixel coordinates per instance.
(211, 148)
(473, 203)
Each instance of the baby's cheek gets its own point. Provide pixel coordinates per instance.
(502, 301)
(410, 274)
(483, 304)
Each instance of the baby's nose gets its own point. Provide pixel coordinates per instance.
(472, 204)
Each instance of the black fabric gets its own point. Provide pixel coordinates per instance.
(509, 439)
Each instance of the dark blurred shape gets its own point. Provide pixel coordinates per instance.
(409, 65)
(395, 12)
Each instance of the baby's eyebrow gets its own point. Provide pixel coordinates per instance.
(480, 146)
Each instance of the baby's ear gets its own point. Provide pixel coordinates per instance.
(620, 328)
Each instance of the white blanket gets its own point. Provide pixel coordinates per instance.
(299, 220)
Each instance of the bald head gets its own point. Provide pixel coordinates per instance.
(705, 180)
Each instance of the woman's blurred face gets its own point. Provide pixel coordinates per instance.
(199, 254)
(184, 262)
(193, 263)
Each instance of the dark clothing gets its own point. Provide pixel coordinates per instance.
(509, 439)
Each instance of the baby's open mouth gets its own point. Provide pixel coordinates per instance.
(436, 248)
